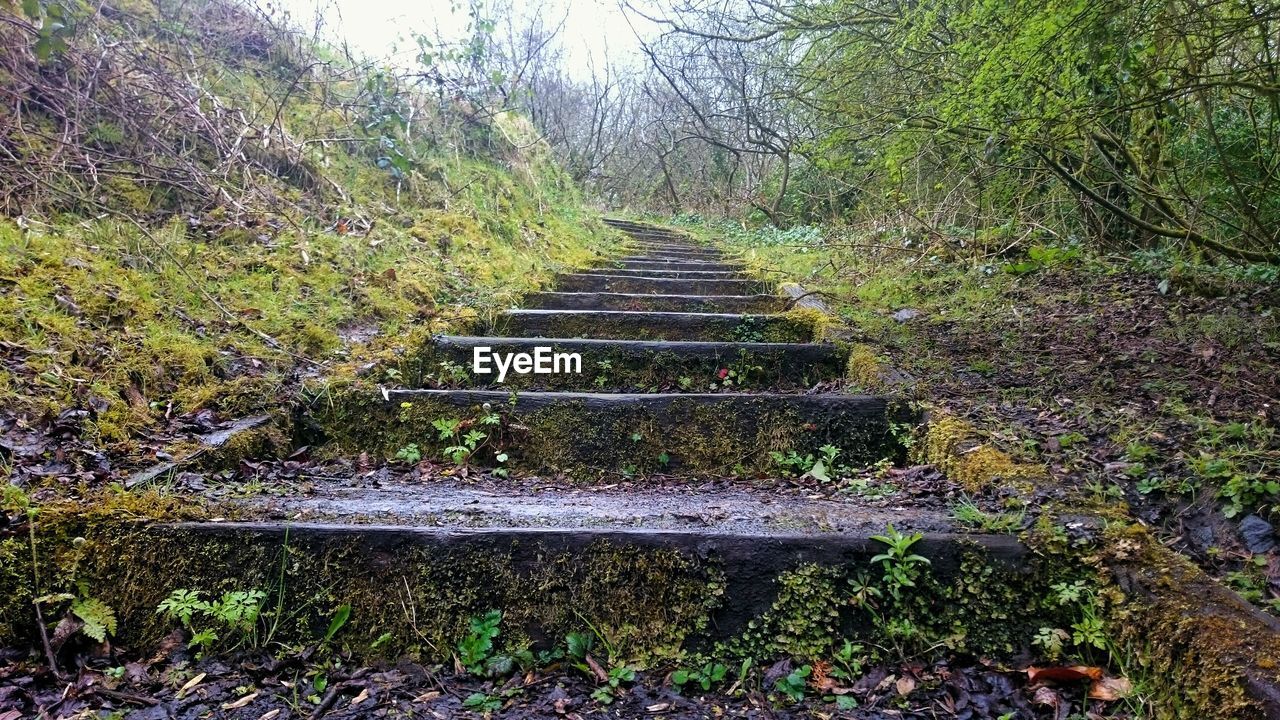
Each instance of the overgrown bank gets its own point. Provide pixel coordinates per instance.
(144, 297)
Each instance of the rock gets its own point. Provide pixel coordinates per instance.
(906, 314)
(1201, 538)
(1257, 534)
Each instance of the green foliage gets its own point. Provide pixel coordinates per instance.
(1041, 257)
(340, 618)
(901, 567)
(967, 512)
(482, 702)
(475, 649)
(410, 453)
(793, 684)
(823, 468)
(710, 673)
(235, 615)
(612, 686)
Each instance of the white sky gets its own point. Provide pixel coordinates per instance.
(379, 28)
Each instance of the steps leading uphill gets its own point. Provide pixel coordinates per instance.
(636, 489)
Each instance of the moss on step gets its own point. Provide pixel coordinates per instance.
(645, 601)
(687, 436)
(955, 447)
(1205, 652)
(617, 368)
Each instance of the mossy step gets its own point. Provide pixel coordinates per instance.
(654, 594)
(583, 282)
(676, 274)
(625, 325)
(669, 258)
(670, 252)
(640, 365)
(677, 265)
(637, 242)
(660, 303)
(592, 435)
(662, 259)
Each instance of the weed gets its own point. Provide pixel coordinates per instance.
(708, 674)
(900, 566)
(235, 614)
(793, 684)
(821, 468)
(967, 513)
(410, 453)
(475, 649)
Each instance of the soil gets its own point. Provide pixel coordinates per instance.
(255, 686)
(1081, 363)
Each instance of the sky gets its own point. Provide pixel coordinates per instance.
(593, 28)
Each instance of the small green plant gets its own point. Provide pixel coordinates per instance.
(704, 677)
(901, 567)
(579, 646)
(410, 453)
(482, 702)
(793, 683)
(967, 513)
(1089, 629)
(1053, 640)
(98, 620)
(340, 618)
(846, 663)
(464, 444)
(1040, 257)
(612, 686)
(475, 650)
(235, 614)
(452, 373)
(822, 468)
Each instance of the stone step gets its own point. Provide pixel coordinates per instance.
(624, 325)
(677, 265)
(634, 365)
(653, 591)
(675, 274)
(583, 282)
(660, 303)
(671, 258)
(667, 251)
(597, 435)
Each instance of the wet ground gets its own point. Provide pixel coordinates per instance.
(912, 499)
(253, 686)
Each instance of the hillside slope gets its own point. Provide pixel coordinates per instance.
(202, 206)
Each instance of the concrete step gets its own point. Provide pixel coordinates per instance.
(624, 325)
(583, 282)
(673, 252)
(595, 435)
(670, 258)
(653, 591)
(661, 303)
(664, 273)
(635, 365)
(677, 265)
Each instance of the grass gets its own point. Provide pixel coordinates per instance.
(93, 312)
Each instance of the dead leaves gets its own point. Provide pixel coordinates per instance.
(1101, 686)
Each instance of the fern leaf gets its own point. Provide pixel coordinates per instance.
(98, 617)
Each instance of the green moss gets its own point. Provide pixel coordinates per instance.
(585, 441)
(954, 447)
(644, 601)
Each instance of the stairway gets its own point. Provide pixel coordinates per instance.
(639, 494)
(688, 366)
